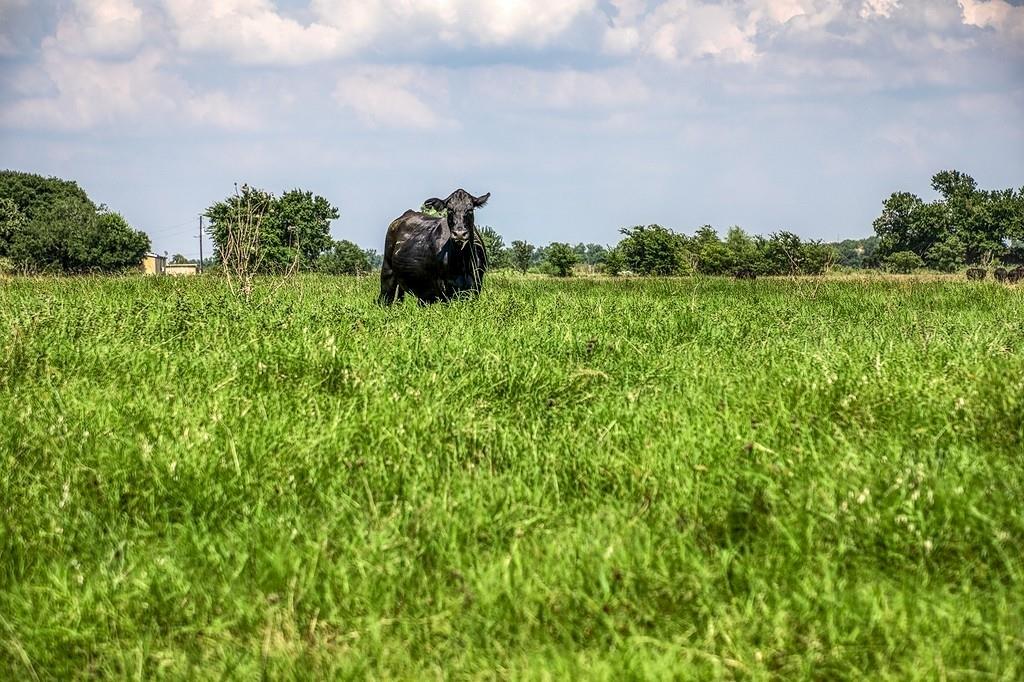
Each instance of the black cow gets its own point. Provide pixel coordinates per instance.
(434, 258)
(1000, 274)
(976, 273)
(1016, 275)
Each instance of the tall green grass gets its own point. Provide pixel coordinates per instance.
(600, 479)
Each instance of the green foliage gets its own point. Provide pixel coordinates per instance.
(946, 255)
(632, 480)
(561, 258)
(613, 263)
(50, 225)
(965, 225)
(857, 253)
(178, 259)
(345, 258)
(903, 262)
(653, 250)
(521, 255)
(12, 221)
(497, 254)
(294, 229)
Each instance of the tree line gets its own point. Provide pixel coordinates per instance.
(51, 225)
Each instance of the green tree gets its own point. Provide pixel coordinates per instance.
(711, 256)
(652, 250)
(816, 257)
(857, 253)
(743, 251)
(345, 258)
(302, 220)
(905, 225)
(613, 263)
(521, 255)
(946, 255)
(903, 262)
(293, 228)
(111, 244)
(51, 225)
(178, 259)
(966, 224)
(497, 254)
(12, 221)
(561, 257)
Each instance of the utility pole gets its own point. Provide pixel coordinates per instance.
(200, 244)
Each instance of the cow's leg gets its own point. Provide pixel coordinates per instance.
(390, 289)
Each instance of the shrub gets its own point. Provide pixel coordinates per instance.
(561, 258)
(903, 262)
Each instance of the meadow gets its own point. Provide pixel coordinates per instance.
(604, 479)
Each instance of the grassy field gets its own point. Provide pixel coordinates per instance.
(693, 478)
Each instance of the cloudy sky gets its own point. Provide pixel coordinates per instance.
(579, 116)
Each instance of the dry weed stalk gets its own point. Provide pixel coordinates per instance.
(242, 255)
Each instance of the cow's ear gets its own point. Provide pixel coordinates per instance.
(434, 204)
(481, 200)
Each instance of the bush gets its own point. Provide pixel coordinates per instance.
(51, 225)
(613, 262)
(345, 258)
(653, 250)
(561, 258)
(903, 262)
(521, 255)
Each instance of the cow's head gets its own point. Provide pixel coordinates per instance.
(458, 208)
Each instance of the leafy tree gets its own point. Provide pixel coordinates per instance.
(178, 259)
(965, 224)
(302, 221)
(652, 250)
(111, 244)
(521, 255)
(903, 262)
(49, 224)
(857, 253)
(497, 254)
(292, 228)
(345, 258)
(816, 257)
(12, 221)
(376, 259)
(712, 257)
(561, 257)
(947, 255)
(905, 226)
(613, 263)
(743, 250)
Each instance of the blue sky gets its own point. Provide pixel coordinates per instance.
(579, 116)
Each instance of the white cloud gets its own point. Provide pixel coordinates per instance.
(878, 8)
(995, 14)
(456, 23)
(100, 28)
(250, 31)
(682, 31)
(394, 97)
(67, 91)
(563, 89)
(256, 31)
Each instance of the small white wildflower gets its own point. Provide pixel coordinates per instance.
(914, 495)
(863, 497)
(928, 546)
(66, 494)
(960, 402)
